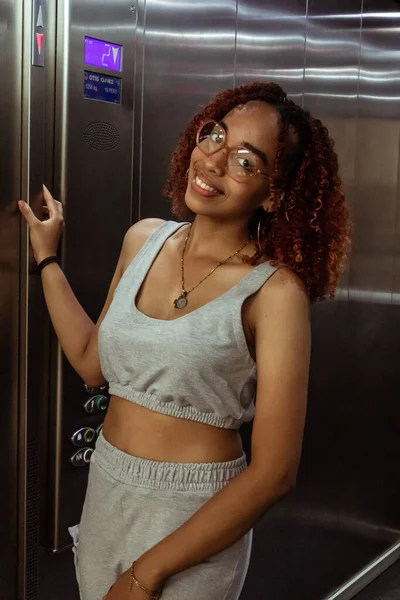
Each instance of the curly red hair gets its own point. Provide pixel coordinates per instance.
(309, 229)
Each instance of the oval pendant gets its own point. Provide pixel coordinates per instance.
(180, 302)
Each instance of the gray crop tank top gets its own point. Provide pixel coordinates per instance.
(195, 367)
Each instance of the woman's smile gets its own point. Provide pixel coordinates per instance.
(203, 186)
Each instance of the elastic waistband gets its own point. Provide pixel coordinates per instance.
(135, 470)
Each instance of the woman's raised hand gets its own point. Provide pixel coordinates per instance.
(44, 235)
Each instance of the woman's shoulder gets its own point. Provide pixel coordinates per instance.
(136, 236)
(281, 297)
(285, 280)
(140, 231)
(284, 286)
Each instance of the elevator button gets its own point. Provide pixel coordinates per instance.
(89, 435)
(96, 404)
(82, 457)
(87, 453)
(83, 436)
(93, 390)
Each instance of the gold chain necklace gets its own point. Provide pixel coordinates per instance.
(181, 302)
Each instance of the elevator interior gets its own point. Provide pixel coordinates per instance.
(94, 96)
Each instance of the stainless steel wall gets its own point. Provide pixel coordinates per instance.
(341, 61)
(186, 53)
(44, 120)
(93, 179)
(375, 266)
(338, 59)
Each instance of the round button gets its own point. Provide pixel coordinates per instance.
(89, 435)
(87, 454)
(92, 389)
(101, 402)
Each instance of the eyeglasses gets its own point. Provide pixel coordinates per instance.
(241, 163)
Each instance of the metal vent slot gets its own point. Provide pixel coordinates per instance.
(101, 136)
(32, 521)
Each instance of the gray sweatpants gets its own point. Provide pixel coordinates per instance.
(132, 503)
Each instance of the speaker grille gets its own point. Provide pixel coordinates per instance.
(32, 521)
(101, 136)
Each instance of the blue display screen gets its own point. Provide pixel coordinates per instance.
(105, 88)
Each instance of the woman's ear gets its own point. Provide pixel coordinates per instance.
(269, 204)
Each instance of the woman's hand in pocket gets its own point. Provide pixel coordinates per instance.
(44, 235)
(120, 589)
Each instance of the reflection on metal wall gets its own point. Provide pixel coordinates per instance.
(188, 55)
(331, 82)
(93, 179)
(337, 61)
(375, 272)
(340, 61)
(271, 41)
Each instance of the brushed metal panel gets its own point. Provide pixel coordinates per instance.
(375, 263)
(94, 185)
(188, 56)
(343, 512)
(331, 85)
(271, 42)
(34, 331)
(10, 135)
(332, 58)
(350, 451)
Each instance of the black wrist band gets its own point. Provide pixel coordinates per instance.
(47, 261)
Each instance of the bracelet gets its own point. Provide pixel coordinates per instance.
(47, 261)
(153, 595)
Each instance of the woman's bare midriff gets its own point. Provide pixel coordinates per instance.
(142, 432)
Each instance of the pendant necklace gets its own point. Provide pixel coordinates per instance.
(181, 302)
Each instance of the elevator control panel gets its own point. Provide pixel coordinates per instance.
(82, 457)
(96, 404)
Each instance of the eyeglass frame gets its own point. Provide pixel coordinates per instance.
(229, 148)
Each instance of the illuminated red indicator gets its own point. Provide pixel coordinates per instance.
(39, 40)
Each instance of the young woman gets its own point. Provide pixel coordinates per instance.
(203, 314)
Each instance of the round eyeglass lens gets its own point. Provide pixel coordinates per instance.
(242, 163)
(210, 137)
